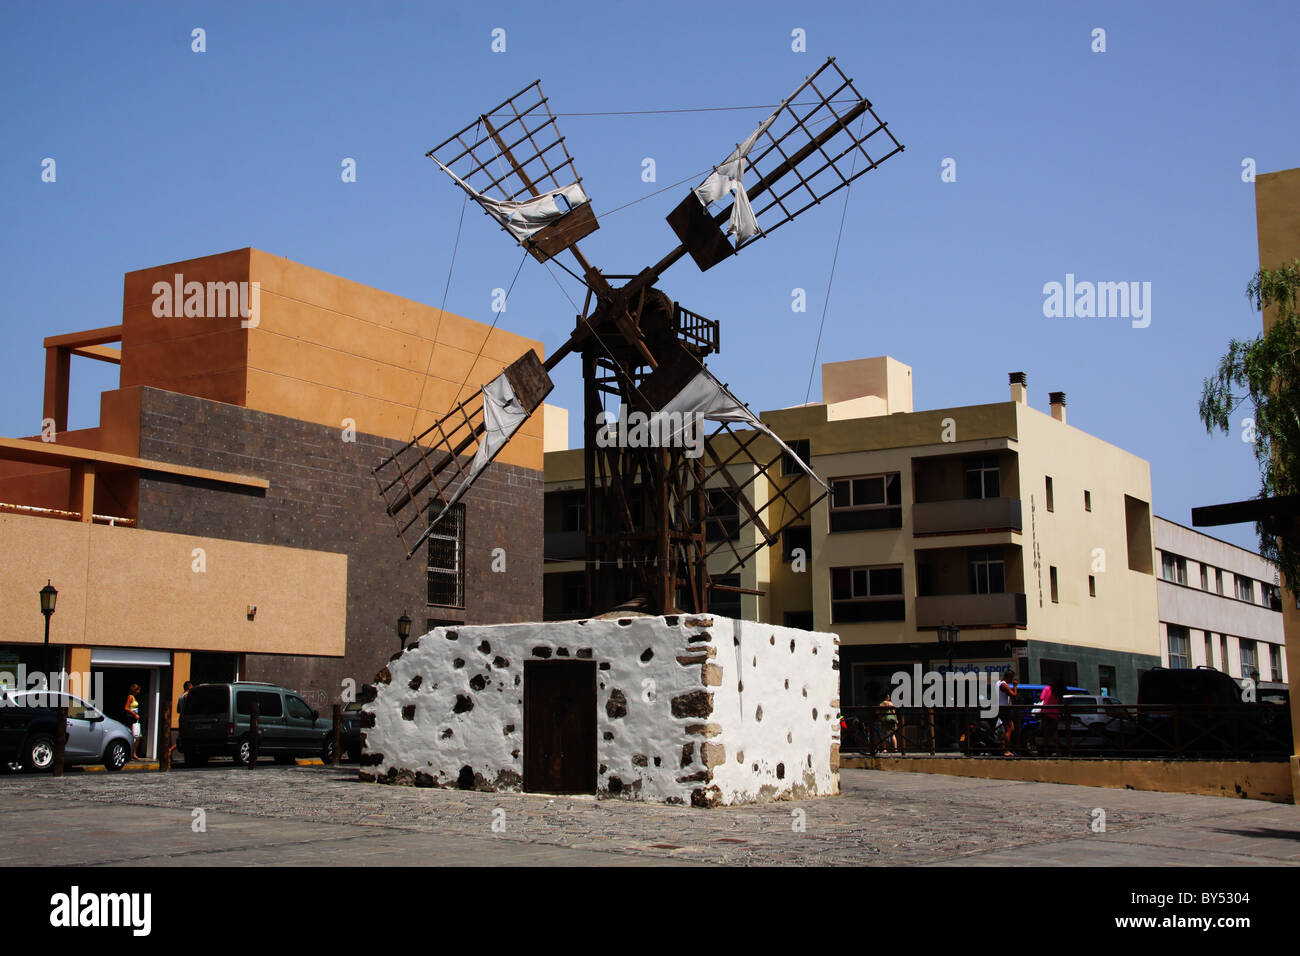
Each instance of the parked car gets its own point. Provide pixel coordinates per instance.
(349, 735)
(1090, 714)
(217, 722)
(29, 721)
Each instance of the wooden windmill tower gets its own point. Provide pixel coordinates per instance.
(656, 511)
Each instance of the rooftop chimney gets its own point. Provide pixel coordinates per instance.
(1019, 387)
(1058, 405)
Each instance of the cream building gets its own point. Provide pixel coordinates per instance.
(1030, 536)
(1220, 607)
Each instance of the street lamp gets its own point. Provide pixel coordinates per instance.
(49, 594)
(403, 629)
(948, 635)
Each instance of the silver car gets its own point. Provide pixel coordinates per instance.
(27, 727)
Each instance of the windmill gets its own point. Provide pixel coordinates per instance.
(658, 508)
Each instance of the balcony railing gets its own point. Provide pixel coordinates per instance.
(966, 515)
(972, 610)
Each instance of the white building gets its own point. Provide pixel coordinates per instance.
(1220, 606)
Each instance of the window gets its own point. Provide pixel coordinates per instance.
(1087, 500)
(1173, 567)
(447, 559)
(1180, 648)
(725, 603)
(1275, 662)
(1056, 595)
(1105, 680)
(1051, 498)
(988, 571)
(1092, 586)
(866, 503)
(800, 619)
(799, 536)
(1205, 577)
(867, 594)
(1223, 653)
(723, 517)
(268, 703)
(1209, 649)
(1249, 660)
(1270, 596)
(1218, 580)
(298, 708)
(1049, 670)
(983, 480)
(1244, 587)
(575, 511)
(801, 447)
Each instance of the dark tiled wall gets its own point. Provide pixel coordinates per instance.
(323, 497)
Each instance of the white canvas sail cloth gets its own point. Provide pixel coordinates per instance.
(705, 395)
(524, 218)
(728, 178)
(502, 416)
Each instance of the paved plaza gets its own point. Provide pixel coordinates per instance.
(313, 815)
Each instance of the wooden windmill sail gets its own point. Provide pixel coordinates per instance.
(656, 512)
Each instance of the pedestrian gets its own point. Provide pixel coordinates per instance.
(888, 724)
(132, 710)
(1007, 688)
(1052, 701)
(180, 709)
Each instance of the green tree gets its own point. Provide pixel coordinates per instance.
(1266, 372)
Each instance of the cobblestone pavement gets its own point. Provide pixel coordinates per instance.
(321, 816)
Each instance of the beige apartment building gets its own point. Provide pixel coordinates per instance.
(1032, 538)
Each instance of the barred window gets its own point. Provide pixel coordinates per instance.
(447, 559)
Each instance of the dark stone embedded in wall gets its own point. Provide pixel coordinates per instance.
(542, 652)
(477, 682)
(463, 704)
(617, 705)
(697, 703)
(408, 712)
(415, 682)
(322, 496)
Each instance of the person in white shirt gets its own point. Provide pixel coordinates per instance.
(1006, 699)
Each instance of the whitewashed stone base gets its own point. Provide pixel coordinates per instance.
(691, 709)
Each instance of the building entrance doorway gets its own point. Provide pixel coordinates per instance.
(560, 726)
(117, 682)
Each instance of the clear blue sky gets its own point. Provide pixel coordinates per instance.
(1123, 165)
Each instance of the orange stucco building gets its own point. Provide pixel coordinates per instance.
(221, 518)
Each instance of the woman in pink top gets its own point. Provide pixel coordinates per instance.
(1052, 703)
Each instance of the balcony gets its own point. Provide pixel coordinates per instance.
(564, 545)
(966, 515)
(972, 610)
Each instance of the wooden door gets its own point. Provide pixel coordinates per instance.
(560, 726)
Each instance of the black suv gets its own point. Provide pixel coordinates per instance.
(1202, 712)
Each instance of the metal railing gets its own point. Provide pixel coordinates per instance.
(1247, 732)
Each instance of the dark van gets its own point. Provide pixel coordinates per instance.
(216, 722)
